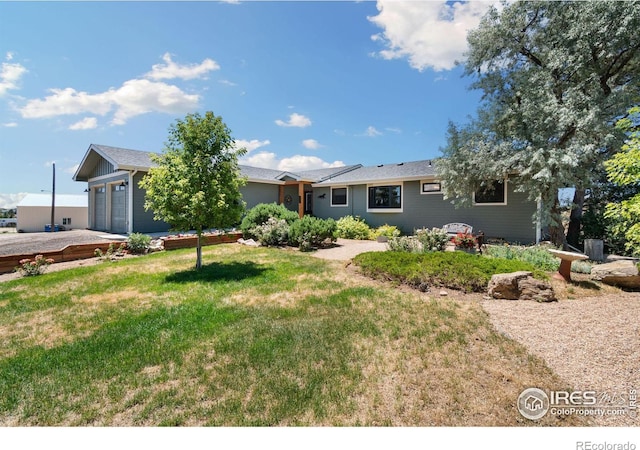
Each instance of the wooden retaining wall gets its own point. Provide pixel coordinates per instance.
(69, 253)
(84, 251)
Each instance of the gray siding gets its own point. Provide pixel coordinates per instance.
(143, 220)
(292, 190)
(103, 167)
(254, 193)
(513, 222)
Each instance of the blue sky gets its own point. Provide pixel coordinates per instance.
(300, 84)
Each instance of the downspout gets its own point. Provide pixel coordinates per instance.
(130, 205)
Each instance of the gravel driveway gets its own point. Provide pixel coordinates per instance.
(25, 243)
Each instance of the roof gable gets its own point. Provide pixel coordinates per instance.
(119, 158)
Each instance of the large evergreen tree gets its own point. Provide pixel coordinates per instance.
(555, 77)
(196, 185)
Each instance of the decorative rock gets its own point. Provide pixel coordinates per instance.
(505, 285)
(248, 242)
(536, 290)
(443, 293)
(520, 286)
(622, 273)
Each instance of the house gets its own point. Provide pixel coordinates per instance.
(34, 212)
(407, 195)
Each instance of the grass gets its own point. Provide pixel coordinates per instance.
(259, 337)
(454, 270)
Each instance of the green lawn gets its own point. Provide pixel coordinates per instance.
(258, 337)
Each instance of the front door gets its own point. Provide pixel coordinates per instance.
(308, 202)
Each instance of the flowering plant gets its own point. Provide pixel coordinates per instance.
(34, 267)
(464, 240)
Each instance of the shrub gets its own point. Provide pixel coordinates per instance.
(310, 232)
(454, 270)
(273, 232)
(581, 267)
(112, 252)
(389, 231)
(37, 266)
(464, 240)
(536, 255)
(138, 242)
(259, 214)
(404, 244)
(349, 227)
(434, 240)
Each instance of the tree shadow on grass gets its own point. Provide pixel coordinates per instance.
(213, 272)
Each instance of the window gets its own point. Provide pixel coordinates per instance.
(385, 198)
(494, 194)
(339, 196)
(101, 190)
(118, 187)
(429, 187)
(66, 221)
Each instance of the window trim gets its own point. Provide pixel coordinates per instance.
(386, 210)
(423, 192)
(504, 187)
(333, 205)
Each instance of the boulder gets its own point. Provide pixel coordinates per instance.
(520, 286)
(505, 285)
(623, 273)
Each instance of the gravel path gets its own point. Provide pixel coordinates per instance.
(593, 343)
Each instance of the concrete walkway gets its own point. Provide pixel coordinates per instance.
(346, 249)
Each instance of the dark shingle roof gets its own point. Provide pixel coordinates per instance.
(124, 158)
(403, 171)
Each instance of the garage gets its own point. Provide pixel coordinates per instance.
(34, 212)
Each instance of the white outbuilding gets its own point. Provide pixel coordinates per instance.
(34, 212)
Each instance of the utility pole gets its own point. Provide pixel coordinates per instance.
(53, 200)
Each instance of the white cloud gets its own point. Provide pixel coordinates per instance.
(301, 162)
(10, 201)
(394, 130)
(430, 34)
(372, 132)
(311, 144)
(170, 70)
(10, 124)
(10, 74)
(227, 83)
(88, 123)
(295, 120)
(72, 169)
(294, 163)
(251, 145)
(49, 163)
(133, 98)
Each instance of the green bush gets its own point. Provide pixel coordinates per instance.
(389, 231)
(138, 243)
(271, 233)
(434, 240)
(454, 270)
(259, 214)
(536, 255)
(349, 227)
(310, 232)
(404, 244)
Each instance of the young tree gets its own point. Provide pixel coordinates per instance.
(196, 184)
(624, 169)
(555, 76)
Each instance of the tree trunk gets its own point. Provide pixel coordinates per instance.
(575, 220)
(199, 252)
(556, 228)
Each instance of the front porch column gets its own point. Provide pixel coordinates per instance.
(301, 199)
(281, 194)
